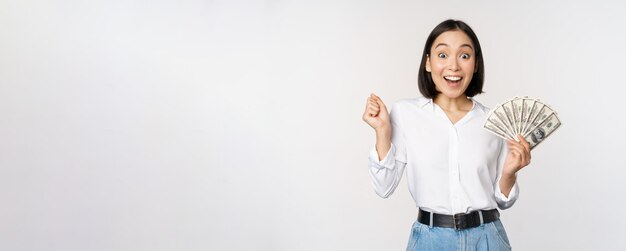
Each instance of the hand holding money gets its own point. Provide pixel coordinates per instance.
(528, 117)
(518, 156)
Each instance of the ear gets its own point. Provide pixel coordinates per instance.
(427, 63)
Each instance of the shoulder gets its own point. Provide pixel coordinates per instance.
(410, 103)
(480, 107)
(405, 108)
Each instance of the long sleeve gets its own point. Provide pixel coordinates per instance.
(503, 201)
(386, 173)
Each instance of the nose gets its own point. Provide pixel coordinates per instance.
(454, 64)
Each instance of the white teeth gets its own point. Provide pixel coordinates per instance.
(451, 78)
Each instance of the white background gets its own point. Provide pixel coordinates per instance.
(225, 125)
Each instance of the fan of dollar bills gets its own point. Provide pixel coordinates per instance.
(525, 116)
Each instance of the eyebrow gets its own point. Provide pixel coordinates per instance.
(463, 45)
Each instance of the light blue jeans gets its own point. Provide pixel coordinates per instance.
(486, 237)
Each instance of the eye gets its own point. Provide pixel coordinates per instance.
(465, 56)
(442, 55)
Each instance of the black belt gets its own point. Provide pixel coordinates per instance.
(458, 221)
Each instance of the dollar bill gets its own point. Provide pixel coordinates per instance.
(531, 117)
(541, 132)
(528, 106)
(542, 115)
(507, 107)
(498, 128)
(500, 116)
(516, 104)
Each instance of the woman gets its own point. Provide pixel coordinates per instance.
(458, 173)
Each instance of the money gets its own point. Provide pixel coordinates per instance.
(517, 113)
(500, 117)
(542, 131)
(528, 117)
(527, 110)
(497, 129)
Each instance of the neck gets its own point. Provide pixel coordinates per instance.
(461, 103)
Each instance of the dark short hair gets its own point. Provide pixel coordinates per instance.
(424, 79)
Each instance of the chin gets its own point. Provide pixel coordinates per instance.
(453, 94)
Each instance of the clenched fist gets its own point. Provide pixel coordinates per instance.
(376, 114)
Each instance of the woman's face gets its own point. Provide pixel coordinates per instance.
(452, 63)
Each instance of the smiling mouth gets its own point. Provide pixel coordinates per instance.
(453, 79)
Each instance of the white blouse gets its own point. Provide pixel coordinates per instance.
(451, 168)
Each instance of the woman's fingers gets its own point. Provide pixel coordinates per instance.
(379, 102)
(372, 111)
(514, 146)
(525, 149)
(372, 103)
(524, 142)
(376, 114)
(375, 98)
(375, 105)
(521, 150)
(371, 107)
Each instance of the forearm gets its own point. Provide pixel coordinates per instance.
(383, 142)
(507, 182)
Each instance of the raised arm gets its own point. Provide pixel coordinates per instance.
(385, 170)
(377, 116)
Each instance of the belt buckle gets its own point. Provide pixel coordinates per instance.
(457, 221)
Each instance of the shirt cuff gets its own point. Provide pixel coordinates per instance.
(503, 201)
(387, 162)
